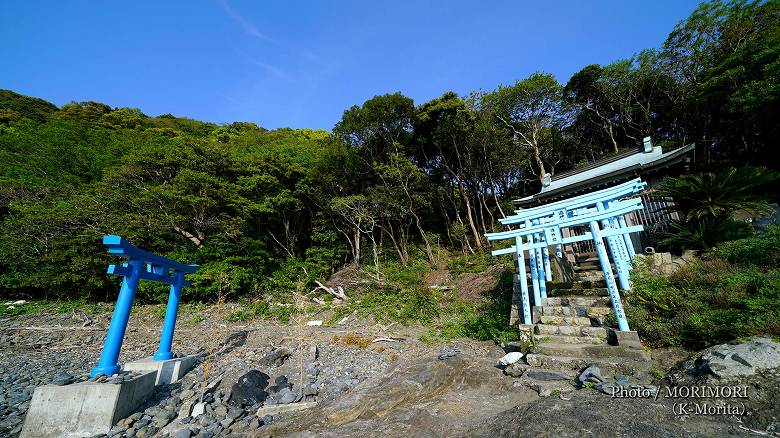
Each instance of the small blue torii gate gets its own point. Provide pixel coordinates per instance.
(541, 227)
(141, 265)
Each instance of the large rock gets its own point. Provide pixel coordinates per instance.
(730, 361)
(250, 388)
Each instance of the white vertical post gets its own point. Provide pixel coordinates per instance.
(534, 271)
(523, 281)
(614, 295)
(540, 268)
(620, 265)
(627, 238)
(546, 259)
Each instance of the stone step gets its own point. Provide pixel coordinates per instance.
(571, 310)
(571, 330)
(564, 320)
(579, 301)
(592, 276)
(575, 284)
(594, 292)
(589, 351)
(561, 339)
(588, 267)
(608, 365)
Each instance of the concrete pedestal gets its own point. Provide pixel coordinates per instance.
(167, 371)
(628, 339)
(84, 409)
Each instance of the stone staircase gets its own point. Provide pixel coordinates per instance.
(569, 331)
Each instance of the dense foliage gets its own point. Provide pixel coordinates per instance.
(267, 212)
(734, 292)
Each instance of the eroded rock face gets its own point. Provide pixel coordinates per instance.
(420, 398)
(729, 361)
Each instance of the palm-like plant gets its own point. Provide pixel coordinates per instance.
(707, 203)
(709, 196)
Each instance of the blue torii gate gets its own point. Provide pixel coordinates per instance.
(541, 226)
(141, 265)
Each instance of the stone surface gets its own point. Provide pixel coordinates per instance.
(250, 389)
(273, 410)
(510, 358)
(591, 374)
(276, 357)
(517, 369)
(730, 361)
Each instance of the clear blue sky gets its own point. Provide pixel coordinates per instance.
(302, 63)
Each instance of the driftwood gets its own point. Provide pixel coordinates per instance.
(337, 292)
(383, 339)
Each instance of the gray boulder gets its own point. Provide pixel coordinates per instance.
(250, 389)
(730, 361)
(591, 374)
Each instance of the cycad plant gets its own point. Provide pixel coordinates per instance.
(707, 204)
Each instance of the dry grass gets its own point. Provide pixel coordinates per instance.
(353, 339)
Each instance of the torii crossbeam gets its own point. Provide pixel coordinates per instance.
(141, 265)
(540, 227)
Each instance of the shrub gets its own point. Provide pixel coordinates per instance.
(733, 293)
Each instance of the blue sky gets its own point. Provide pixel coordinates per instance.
(302, 63)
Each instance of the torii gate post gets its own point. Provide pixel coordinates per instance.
(141, 265)
(166, 337)
(108, 363)
(542, 228)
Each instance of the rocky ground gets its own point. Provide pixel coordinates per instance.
(365, 379)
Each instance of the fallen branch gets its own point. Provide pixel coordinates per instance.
(387, 340)
(337, 292)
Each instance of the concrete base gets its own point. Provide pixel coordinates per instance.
(84, 409)
(628, 339)
(168, 371)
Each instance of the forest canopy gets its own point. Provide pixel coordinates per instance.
(265, 210)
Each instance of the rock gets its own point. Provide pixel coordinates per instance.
(63, 378)
(729, 361)
(446, 353)
(276, 357)
(545, 376)
(313, 353)
(183, 433)
(310, 390)
(250, 389)
(607, 388)
(267, 419)
(116, 430)
(281, 380)
(226, 422)
(185, 409)
(591, 374)
(690, 256)
(510, 358)
(198, 409)
(515, 370)
(315, 323)
(621, 379)
(235, 413)
(220, 411)
(286, 396)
